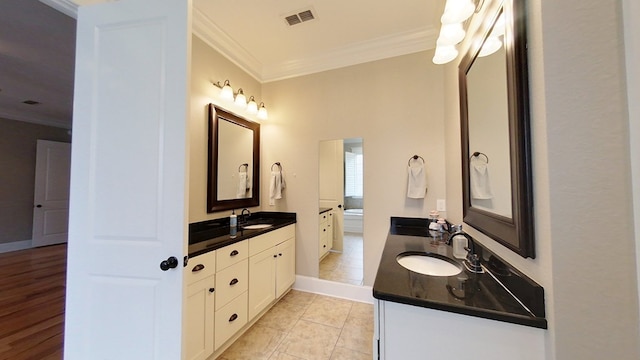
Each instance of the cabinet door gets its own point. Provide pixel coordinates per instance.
(286, 266)
(262, 281)
(199, 316)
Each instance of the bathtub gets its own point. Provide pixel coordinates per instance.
(353, 220)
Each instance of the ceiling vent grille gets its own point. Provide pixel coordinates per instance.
(299, 17)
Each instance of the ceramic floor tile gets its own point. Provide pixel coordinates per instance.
(357, 335)
(258, 343)
(283, 356)
(299, 298)
(283, 315)
(340, 353)
(311, 341)
(362, 311)
(328, 311)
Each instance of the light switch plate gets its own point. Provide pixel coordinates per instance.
(441, 205)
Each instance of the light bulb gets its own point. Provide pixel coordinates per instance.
(262, 112)
(491, 45)
(227, 91)
(241, 100)
(252, 107)
(451, 34)
(456, 11)
(445, 54)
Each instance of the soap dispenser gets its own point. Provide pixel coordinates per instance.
(233, 219)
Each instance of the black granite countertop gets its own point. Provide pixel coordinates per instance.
(466, 293)
(210, 235)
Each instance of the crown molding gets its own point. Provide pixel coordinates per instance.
(215, 37)
(363, 52)
(66, 7)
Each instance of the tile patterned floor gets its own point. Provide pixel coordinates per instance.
(306, 326)
(345, 267)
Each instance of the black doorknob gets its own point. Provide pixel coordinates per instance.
(170, 263)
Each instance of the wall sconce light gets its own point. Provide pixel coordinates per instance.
(262, 112)
(252, 107)
(452, 32)
(239, 99)
(457, 11)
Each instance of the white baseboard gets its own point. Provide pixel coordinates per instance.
(15, 246)
(334, 289)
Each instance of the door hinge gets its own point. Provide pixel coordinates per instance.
(185, 261)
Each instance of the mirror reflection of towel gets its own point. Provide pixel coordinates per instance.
(479, 181)
(276, 185)
(417, 184)
(243, 185)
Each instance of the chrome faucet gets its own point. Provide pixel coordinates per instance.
(242, 216)
(472, 260)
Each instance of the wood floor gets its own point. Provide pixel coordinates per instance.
(32, 295)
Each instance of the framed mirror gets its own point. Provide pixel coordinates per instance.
(233, 174)
(494, 115)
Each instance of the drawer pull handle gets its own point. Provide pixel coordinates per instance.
(233, 282)
(233, 317)
(234, 253)
(211, 290)
(280, 254)
(275, 256)
(197, 268)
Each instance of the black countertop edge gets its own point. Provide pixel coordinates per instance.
(536, 322)
(413, 234)
(324, 209)
(209, 235)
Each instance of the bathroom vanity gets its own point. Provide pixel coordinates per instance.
(233, 276)
(498, 314)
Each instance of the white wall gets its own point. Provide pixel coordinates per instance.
(582, 178)
(395, 105)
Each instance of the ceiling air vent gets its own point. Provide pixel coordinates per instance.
(299, 17)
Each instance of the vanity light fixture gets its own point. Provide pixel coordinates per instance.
(252, 107)
(451, 34)
(444, 54)
(262, 112)
(457, 11)
(241, 100)
(491, 45)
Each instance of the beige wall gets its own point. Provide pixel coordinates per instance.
(17, 165)
(207, 66)
(581, 179)
(395, 105)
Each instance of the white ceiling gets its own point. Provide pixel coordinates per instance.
(37, 42)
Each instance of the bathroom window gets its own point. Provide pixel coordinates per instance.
(353, 174)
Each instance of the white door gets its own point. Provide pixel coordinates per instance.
(127, 214)
(51, 193)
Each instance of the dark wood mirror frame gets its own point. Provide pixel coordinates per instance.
(213, 203)
(517, 232)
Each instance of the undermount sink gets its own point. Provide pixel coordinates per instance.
(257, 226)
(428, 264)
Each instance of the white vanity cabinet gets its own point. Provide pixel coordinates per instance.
(324, 234)
(271, 267)
(416, 333)
(200, 306)
(232, 281)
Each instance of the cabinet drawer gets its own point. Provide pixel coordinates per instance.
(261, 243)
(231, 254)
(229, 319)
(231, 282)
(199, 267)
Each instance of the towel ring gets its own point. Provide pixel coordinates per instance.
(246, 166)
(415, 157)
(478, 153)
(278, 164)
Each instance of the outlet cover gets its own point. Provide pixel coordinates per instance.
(441, 205)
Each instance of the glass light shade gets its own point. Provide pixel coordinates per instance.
(241, 100)
(445, 54)
(252, 107)
(457, 11)
(451, 34)
(227, 91)
(491, 45)
(262, 112)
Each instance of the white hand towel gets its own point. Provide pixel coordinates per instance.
(479, 181)
(417, 183)
(243, 179)
(276, 185)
